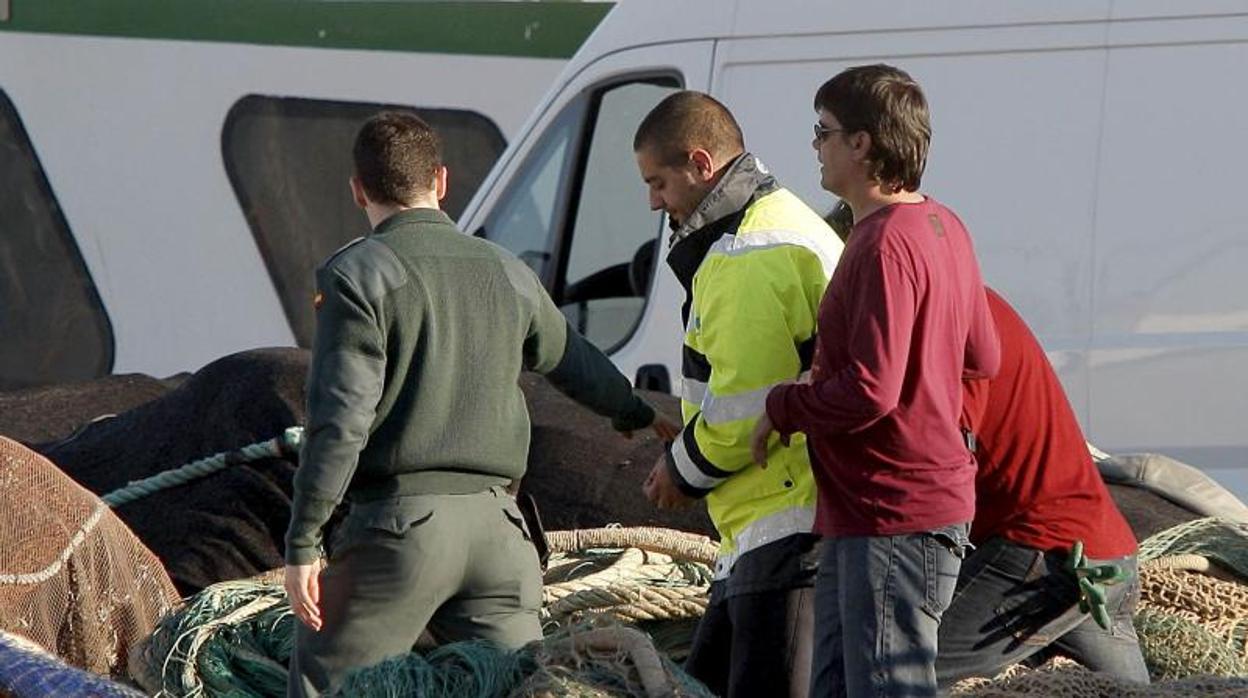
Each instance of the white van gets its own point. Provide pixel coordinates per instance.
(1095, 150)
(172, 172)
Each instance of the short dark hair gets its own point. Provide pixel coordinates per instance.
(686, 121)
(888, 105)
(396, 157)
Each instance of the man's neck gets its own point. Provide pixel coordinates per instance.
(379, 212)
(873, 198)
(710, 186)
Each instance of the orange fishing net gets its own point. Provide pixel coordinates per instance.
(73, 578)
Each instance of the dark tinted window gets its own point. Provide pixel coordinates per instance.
(289, 161)
(53, 327)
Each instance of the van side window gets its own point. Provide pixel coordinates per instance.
(526, 220)
(53, 327)
(289, 160)
(614, 242)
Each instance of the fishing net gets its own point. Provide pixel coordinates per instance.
(592, 660)
(73, 579)
(234, 638)
(1219, 540)
(1176, 647)
(1063, 677)
(1193, 615)
(584, 475)
(231, 525)
(1192, 622)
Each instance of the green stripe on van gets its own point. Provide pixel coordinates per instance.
(532, 29)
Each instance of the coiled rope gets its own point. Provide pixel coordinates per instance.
(678, 544)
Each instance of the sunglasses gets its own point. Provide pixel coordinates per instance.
(822, 132)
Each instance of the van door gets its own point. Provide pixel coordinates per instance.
(571, 204)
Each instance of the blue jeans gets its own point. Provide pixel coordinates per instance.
(1013, 601)
(878, 605)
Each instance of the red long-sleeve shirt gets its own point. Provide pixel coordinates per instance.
(902, 319)
(1037, 485)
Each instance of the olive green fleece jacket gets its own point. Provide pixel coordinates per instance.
(421, 334)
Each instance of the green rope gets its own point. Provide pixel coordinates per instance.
(288, 442)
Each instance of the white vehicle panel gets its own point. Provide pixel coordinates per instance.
(130, 140)
(1171, 329)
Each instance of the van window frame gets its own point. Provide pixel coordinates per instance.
(565, 235)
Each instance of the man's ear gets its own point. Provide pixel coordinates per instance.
(860, 145)
(703, 163)
(357, 192)
(439, 182)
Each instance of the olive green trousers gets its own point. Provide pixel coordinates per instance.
(461, 566)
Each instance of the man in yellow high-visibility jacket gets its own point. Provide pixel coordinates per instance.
(754, 262)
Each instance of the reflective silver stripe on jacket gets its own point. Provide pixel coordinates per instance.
(768, 529)
(733, 245)
(717, 409)
(692, 391)
(690, 470)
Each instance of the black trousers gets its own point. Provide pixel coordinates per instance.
(754, 644)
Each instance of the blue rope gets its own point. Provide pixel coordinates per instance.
(288, 442)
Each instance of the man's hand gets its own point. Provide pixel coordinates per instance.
(661, 490)
(303, 588)
(664, 428)
(758, 441)
(667, 430)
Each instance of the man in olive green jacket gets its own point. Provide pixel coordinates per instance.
(415, 417)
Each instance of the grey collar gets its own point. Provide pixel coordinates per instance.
(746, 176)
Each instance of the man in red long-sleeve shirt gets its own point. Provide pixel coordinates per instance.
(1038, 492)
(902, 320)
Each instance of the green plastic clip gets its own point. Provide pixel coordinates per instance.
(1092, 581)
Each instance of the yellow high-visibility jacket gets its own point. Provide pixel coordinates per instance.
(754, 261)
